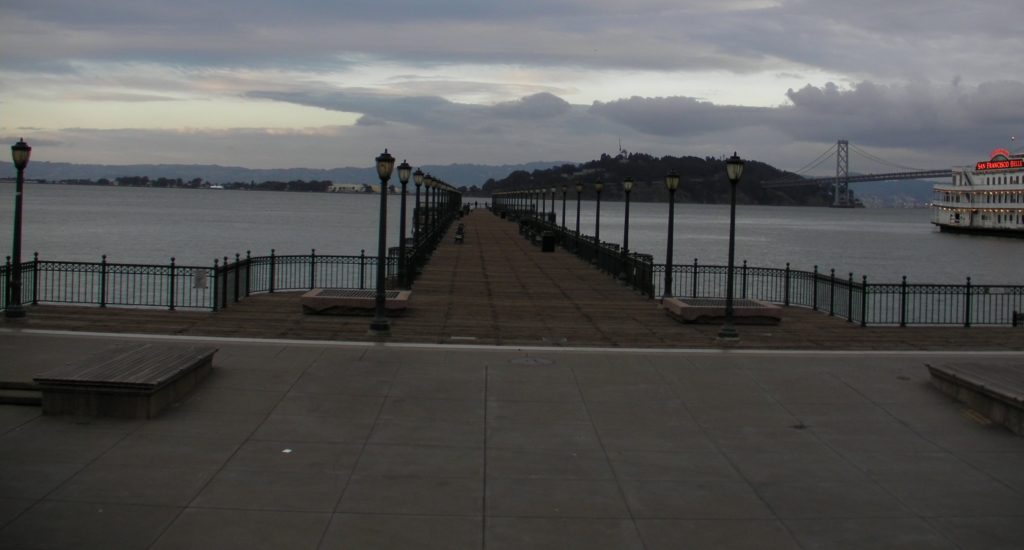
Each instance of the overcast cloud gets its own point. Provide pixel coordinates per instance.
(321, 83)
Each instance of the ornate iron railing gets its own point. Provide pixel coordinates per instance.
(633, 269)
(856, 301)
(175, 286)
(859, 302)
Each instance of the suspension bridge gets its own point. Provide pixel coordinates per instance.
(840, 182)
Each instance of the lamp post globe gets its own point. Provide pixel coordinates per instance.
(671, 183)
(380, 325)
(20, 153)
(734, 171)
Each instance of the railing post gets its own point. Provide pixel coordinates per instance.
(743, 278)
(171, 292)
(814, 290)
(238, 274)
(832, 293)
(248, 271)
(35, 278)
(312, 269)
(214, 289)
(362, 268)
(694, 276)
(103, 281)
(849, 299)
(785, 292)
(273, 268)
(967, 304)
(224, 293)
(7, 279)
(864, 301)
(903, 302)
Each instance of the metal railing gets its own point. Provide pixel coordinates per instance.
(867, 304)
(175, 286)
(228, 280)
(631, 268)
(859, 302)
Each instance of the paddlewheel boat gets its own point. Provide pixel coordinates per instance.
(987, 197)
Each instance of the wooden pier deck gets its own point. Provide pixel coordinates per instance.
(498, 289)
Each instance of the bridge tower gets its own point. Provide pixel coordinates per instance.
(841, 188)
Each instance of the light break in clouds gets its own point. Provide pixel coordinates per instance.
(255, 83)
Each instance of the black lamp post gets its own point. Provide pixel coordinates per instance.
(404, 171)
(565, 190)
(19, 153)
(579, 193)
(598, 186)
(553, 218)
(672, 183)
(734, 170)
(380, 324)
(431, 204)
(417, 178)
(627, 186)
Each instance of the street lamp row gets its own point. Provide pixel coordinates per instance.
(437, 192)
(734, 171)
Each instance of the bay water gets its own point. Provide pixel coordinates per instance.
(196, 226)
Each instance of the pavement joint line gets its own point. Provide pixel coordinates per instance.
(513, 348)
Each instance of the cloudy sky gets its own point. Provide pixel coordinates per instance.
(329, 83)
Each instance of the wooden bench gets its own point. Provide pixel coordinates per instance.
(996, 390)
(126, 381)
(712, 311)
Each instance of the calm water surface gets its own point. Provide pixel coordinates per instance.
(137, 225)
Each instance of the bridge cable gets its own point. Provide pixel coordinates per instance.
(828, 154)
(882, 161)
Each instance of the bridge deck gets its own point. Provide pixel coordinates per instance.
(497, 288)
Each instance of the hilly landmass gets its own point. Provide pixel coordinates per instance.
(702, 180)
(458, 175)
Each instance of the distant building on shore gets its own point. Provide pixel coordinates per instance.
(347, 188)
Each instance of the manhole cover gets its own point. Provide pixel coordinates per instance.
(531, 361)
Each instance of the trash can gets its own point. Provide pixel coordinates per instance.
(547, 241)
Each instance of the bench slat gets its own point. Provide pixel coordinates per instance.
(141, 366)
(1004, 380)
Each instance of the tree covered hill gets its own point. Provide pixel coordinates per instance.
(702, 180)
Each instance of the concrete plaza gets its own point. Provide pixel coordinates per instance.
(295, 444)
